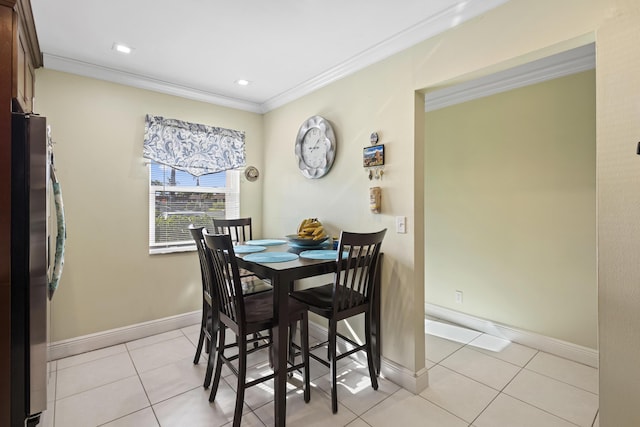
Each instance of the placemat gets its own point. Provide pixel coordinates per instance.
(247, 249)
(266, 242)
(271, 257)
(322, 254)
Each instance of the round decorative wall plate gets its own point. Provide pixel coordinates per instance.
(251, 173)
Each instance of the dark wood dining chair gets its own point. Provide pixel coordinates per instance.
(245, 316)
(240, 230)
(209, 323)
(351, 293)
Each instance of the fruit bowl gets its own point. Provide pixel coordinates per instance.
(294, 238)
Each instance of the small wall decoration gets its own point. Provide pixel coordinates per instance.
(373, 156)
(251, 173)
(375, 199)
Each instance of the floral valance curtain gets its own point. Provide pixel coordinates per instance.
(191, 147)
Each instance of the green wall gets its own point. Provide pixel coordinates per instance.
(510, 202)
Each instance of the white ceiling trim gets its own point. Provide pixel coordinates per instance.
(86, 69)
(424, 30)
(559, 65)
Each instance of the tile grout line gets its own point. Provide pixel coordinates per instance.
(521, 368)
(485, 408)
(528, 362)
(444, 409)
(541, 409)
(501, 391)
(529, 403)
(561, 381)
(58, 369)
(463, 375)
(370, 409)
(155, 415)
(96, 387)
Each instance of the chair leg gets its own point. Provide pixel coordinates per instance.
(196, 359)
(219, 362)
(211, 359)
(372, 369)
(203, 325)
(242, 377)
(271, 349)
(332, 365)
(213, 345)
(304, 345)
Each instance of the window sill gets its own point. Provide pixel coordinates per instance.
(162, 251)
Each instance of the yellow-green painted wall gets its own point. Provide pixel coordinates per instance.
(109, 278)
(510, 195)
(618, 173)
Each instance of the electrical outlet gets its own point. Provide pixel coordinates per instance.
(459, 297)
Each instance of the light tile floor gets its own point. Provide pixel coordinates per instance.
(475, 380)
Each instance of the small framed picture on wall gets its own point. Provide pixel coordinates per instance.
(373, 156)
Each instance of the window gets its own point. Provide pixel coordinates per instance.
(177, 199)
(193, 177)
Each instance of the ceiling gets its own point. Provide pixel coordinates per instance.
(198, 49)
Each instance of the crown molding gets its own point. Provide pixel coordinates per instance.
(559, 65)
(436, 24)
(60, 63)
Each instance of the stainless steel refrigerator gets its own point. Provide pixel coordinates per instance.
(29, 253)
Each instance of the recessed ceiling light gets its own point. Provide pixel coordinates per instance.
(119, 47)
(242, 82)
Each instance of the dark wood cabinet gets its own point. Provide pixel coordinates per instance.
(26, 58)
(23, 88)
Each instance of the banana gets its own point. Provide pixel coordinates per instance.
(302, 224)
(311, 228)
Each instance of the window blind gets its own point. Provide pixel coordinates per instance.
(177, 199)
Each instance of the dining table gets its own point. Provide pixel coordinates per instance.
(283, 271)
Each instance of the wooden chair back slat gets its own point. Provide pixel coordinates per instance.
(239, 229)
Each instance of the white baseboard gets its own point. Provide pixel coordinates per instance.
(414, 382)
(567, 350)
(82, 344)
